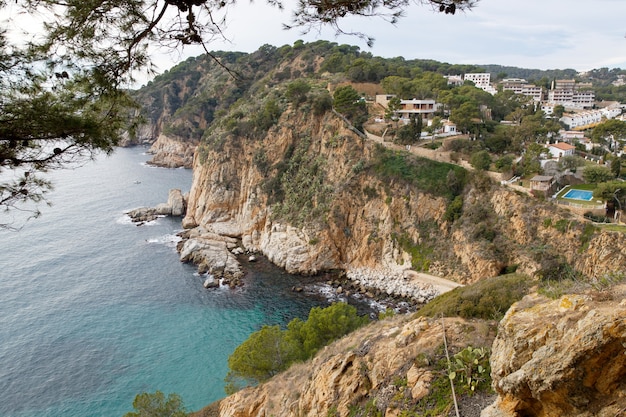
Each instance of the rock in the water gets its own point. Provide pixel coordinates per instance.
(175, 206)
(142, 214)
(211, 282)
(176, 201)
(212, 254)
(163, 209)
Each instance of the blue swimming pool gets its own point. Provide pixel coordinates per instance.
(579, 195)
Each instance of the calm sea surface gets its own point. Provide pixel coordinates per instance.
(94, 309)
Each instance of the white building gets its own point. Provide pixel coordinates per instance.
(561, 149)
(590, 117)
(612, 110)
(514, 81)
(571, 95)
(455, 80)
(479, 79)
(531, 90)
(547, 109)
(449, 127)
(571, 135)
(581, 119)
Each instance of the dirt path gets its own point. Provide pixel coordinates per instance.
(440, 284)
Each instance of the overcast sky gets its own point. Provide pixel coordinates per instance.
(543, 34)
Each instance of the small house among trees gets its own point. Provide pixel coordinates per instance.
(542, 184)
(561, 149)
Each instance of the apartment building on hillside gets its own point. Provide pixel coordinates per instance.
(521, 86)
(481, 80)
(571, 95)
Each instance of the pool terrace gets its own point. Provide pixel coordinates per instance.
(579, 196)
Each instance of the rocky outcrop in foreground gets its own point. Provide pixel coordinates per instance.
(214, 255)
(550, 358)
(561, 358)
(381, 364)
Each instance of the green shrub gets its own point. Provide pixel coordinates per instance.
(589, 230)
(486, 299)
(271, 350)
(454, 210)
(470, 367)
(153, 405)
(480, 160)
(420, 253)
(596, 218)
(562, 225)
(425, 174)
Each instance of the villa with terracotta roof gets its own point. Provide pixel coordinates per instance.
(560, 149)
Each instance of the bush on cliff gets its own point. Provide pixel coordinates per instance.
(271, 350)
(486, 299)
(437, 178)
(157, 405)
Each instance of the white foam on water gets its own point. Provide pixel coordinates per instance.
(167, 240)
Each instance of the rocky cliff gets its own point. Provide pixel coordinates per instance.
(312, 195)
(561, 358)
(384, 369)
(285, 176)
(275, 168)
(564, 357)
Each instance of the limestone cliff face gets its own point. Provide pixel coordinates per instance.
(561, 358)
(550, 358)
(366, 365)
(335, 216)
(309, 197)
(171, 153)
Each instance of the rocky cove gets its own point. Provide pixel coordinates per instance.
(219, 260)
(311, 195)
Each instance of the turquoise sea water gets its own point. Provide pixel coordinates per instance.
(94, 309)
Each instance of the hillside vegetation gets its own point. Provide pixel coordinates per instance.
(278, 168)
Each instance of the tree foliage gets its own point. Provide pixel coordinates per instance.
(481, 160)
(411, 132)
(157, 405)
(347, 101)
(271, 350)
(63, 92)
(612, 131)
(613, 191)
(265, 353)
(595, 174)
(297, 91)
(48, 120)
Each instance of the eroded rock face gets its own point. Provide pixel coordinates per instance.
(171, 153)
(374, 229)
(561, 358)
(212, 253)
(364, 365)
